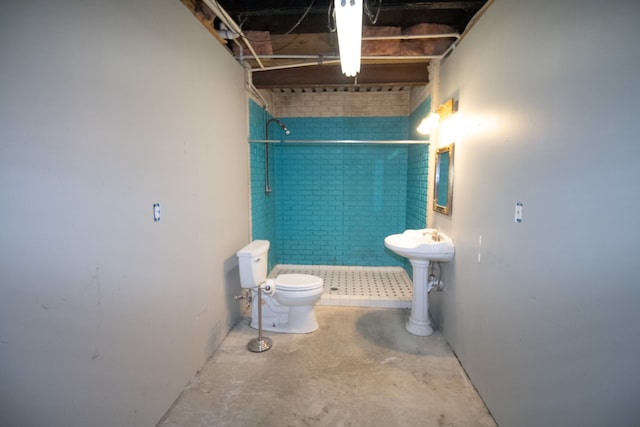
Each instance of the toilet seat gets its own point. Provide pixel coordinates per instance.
(297, 282)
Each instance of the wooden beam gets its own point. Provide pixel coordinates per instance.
(408, 74)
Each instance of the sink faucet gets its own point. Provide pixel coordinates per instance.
(435, 236)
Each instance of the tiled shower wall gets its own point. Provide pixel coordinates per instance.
(263, 206)
(334, 203)
(417, 170)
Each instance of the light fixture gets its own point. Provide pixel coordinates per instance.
(448, 108)
(349, 26)
(431, 122)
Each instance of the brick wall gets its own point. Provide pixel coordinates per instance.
(342, 104)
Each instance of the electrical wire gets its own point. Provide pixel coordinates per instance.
(331, 14)
(297, 24)
(304, 15)
(372, 18)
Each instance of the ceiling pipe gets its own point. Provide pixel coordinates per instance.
(251, 88)
(332, 59)
(227, 34)
(299, 65)
(230, 23)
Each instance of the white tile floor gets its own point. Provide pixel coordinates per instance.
(388, 287)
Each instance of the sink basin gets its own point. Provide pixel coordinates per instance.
(427, 244)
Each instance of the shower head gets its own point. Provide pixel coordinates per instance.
(284, 128)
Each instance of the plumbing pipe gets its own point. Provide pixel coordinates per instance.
(267, 185)
(230, 23)
(228, 35)
(331, 59)
(321, 57)
(252, 88)
(257, 93)
(298, 65)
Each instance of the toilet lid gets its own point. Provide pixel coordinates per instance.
(298, 282)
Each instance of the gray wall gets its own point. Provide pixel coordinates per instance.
(107, 107)
(546, 324)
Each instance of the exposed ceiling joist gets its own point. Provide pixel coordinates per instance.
(331, 76)
(288, 44)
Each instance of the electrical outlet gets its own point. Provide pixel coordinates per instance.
(518, 214)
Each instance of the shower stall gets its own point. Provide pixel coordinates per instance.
(338, 186)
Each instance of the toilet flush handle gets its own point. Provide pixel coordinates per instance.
(268, 287)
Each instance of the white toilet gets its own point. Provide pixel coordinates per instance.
(288, 299)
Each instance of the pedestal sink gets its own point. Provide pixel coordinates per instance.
(421, 247)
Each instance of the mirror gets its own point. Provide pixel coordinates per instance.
(443, 186)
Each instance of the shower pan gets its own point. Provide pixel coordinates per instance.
(354, 286)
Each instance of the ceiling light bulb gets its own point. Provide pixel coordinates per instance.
(349, 26)
(429, 123)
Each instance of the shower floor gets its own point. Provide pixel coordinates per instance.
(388, 287)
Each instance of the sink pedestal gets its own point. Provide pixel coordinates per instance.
(419, 323)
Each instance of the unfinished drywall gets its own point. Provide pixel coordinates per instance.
(543, 313)
(108, 108)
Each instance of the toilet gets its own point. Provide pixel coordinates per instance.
(288, 299)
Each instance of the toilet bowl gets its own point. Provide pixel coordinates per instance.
(288, 300)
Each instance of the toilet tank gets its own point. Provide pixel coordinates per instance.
(252, 263)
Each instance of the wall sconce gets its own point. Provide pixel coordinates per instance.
(349, 26)
(431, 122)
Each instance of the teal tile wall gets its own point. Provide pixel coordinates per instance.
(349, 128)
(416, 117)
(263, 206)
(337, 202)
(417, 174)
(333, 204)
(417, 170)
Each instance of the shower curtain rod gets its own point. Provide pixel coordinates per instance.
(337, 141)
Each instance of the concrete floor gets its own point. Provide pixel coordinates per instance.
(361, 368)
